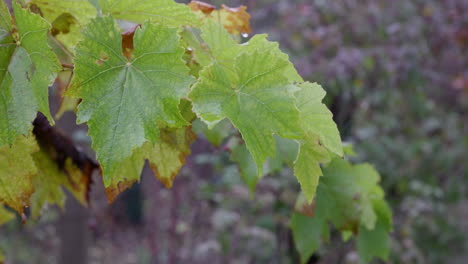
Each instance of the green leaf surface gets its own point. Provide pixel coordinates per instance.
(307, 166)
(125, 102)
(166, 12)
(27, 67)
(255, 97)
(16, 177)
(307, 234)
(374, 243)
(316, 118)
(346, 195)
(320, 134)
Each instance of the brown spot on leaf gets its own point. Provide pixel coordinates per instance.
(127, 42)
(236, 20)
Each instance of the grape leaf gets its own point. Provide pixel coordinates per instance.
(320, 134)
(67, 18)
(166, 12)
(349, 197)
(27, 67)
(255, 97)
(316, 117)
(125, 101)
(16, 177)
(376, 242)
(346, 195)
(307, 165)
(235, 20)
(166, 157)
(307, 234)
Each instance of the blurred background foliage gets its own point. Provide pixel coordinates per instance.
(396, 73)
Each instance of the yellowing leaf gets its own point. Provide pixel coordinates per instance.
(235, 20)
(67, 18)
(50, 181)
(126, 101)
(166, 157)
(27, 68)
(17, 172)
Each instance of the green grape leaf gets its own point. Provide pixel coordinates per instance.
(166, 157)
(125, 102)
(67, 18)
(16, 177)
(307, 166)
(316, 118)
(374, 242)
(27, 67)
(320, 134)
(349, 197)
(346, 195)
(255, 97)
(307, 234)
(5, 216)
(166, 12)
